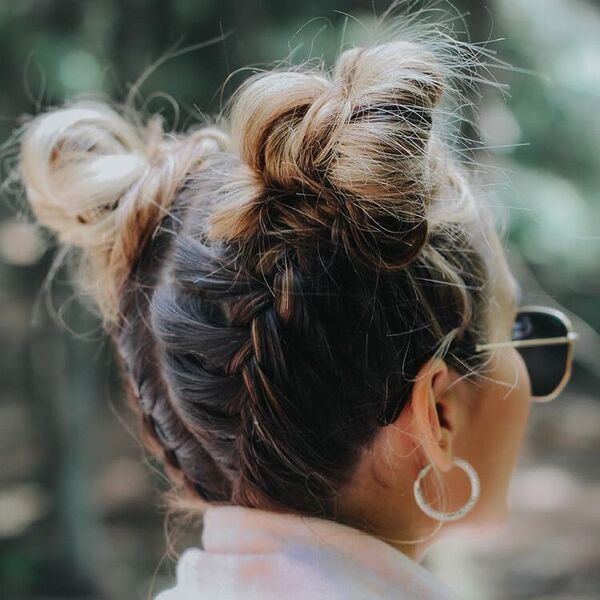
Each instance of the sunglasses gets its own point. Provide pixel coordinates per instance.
(544, 337)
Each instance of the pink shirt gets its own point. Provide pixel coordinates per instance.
(253, 554)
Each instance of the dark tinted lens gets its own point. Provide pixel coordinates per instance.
(546, 364)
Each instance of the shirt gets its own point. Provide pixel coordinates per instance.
(255, 554)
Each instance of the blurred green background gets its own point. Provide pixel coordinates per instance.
(79, 511)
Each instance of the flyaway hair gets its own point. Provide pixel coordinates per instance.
(273, 282)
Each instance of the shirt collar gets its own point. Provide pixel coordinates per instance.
(242, 530)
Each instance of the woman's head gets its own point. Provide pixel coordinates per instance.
(291, 289)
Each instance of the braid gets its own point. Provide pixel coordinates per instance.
(233, 345)
(163, 431)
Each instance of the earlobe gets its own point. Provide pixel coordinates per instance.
(432, 407)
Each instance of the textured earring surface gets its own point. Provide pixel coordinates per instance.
(461, 512)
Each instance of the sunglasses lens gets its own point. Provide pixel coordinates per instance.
(546, 365)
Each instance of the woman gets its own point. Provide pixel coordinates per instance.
(314, 314)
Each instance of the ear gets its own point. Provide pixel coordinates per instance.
(436, 411)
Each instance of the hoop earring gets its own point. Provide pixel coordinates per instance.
(461, 512)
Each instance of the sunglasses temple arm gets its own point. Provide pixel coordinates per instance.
(524, 343)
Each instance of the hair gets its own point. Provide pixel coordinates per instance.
(274, 280)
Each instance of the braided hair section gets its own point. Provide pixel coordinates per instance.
(107, 186)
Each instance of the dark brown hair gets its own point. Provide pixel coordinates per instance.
(274, 281)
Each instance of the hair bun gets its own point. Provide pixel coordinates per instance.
(347, 152)
(77, 162)
(103, 183)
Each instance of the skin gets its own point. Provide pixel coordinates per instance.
(448, 416)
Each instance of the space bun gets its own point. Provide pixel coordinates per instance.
(344, 153)
(102, 183)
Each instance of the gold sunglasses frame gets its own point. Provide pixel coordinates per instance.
(569, 339)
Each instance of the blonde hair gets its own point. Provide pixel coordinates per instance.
(285, 269)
